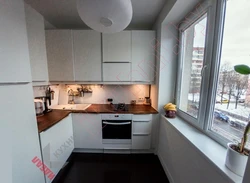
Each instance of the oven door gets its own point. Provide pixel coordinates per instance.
(116, 129)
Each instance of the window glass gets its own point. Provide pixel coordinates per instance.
(192, 63)
(232, 108)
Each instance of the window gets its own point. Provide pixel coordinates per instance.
(194, 40)
(210, 94)
(232, 106)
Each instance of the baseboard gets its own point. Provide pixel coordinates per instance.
(80, 150)
(149, 151)
(170, 178)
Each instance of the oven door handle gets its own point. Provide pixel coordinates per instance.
(124, 123)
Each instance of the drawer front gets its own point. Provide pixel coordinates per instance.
(141, 142)
(142, 127)
(142, 117)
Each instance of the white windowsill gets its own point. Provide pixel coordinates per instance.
(210, 149)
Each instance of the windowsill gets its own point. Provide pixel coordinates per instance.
(210, 149)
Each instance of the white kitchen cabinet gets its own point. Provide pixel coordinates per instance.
(19, 135)
(60, 57)
(116, 72)
(87, 55)
(141, 131)
(57, 145)
(143, 56)
(14, 53)
(117, 47)
(87, 130)
(36, 42)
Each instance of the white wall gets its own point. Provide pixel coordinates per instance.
(183, 162)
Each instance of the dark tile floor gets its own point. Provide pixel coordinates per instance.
(113, 168)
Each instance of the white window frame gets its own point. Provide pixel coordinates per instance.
(215, 11)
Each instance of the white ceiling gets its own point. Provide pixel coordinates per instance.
(63, 13)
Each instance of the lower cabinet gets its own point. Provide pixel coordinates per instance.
(57, 144)
(141, 131)
(87, 129)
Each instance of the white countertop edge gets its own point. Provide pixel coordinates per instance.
(209, 148)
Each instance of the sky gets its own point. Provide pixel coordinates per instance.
(236, 40)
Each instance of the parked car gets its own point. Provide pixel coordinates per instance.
(241, 100)
(224, 101)
(238, 124)
(220, 116)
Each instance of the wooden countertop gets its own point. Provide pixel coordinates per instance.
(48, 120)
(132, 109)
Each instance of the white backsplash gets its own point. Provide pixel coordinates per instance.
(100, 94)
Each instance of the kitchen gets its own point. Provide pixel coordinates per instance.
(68, 90)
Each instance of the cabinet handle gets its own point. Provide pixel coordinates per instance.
(110, 62)
(125, 123)
(141, 134)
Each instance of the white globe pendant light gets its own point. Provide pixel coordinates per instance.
(107, 16)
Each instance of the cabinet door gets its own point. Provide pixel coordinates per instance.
(14, 52)
(116, 72)
(36, 41)
(143, 56)
(87, 130)
(60, 55)
(117, 47)
(57, 145)
(19, 135)
(87, 55)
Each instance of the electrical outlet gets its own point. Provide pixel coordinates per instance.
(140, 99)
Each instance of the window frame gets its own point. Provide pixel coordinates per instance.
(215, 11)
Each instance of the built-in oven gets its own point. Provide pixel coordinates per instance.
(116, 129)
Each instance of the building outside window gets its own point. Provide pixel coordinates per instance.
(210, 94)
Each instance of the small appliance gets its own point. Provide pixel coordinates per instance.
(39, 107)
(147, 101)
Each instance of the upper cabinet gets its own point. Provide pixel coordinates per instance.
(143, 56)
(117, 47)
(87, 55)
(14, 53)
(36, 42)
(60, 55)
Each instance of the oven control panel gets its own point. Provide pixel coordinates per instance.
(116, 116)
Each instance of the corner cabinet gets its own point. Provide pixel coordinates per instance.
(37, 47)
(143, 56)
(141, 132)
(60, 55)
(87, 55)
(57, 145)
(87, 129)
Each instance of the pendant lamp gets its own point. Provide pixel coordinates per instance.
(106, 16)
